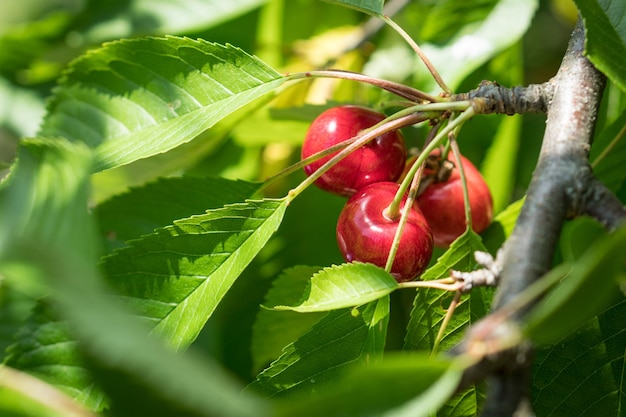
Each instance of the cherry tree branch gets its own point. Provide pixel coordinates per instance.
(563, 186)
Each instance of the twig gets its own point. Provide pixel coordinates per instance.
(555, 192)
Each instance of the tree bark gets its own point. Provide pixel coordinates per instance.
(562, 187)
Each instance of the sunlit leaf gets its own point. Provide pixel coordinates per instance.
(605, 29)
(331, 347)
(180, 273)
(132, 99)
(342, 286)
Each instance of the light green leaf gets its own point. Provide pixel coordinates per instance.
(399, 385)
(374, 7)
(584, 374)
(605, 45)
(143, 209)
(338, 341)
(132, 99)
(591, 282)
(273, 330)
(342, 286)
(180, 273)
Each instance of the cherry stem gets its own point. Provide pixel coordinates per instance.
(398, 89)
(446, 319)
(394, 207)
(445, 284)
(431, 68)
(391, 212)
(403, 218)
(466, 201)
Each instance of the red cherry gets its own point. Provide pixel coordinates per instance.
(381, 159)
(443, 206)
(365, 234)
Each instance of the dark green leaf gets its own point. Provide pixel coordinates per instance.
(605, 45)
(429, 309)
(136, 98)
(333, 345)
(273, 330)
(584, 374)
(342, 286)
(591, 282)
(143, 209)
(180, 273)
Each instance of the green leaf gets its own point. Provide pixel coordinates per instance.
(342, 286)
(374, 7)
(505, 25)
(22, 111)
(143, 209)
(502, 226)
(51, 243)
(45, 349)
(132, 99)
(499, 166)
(608, 153)
(21, 395)
(273, 330)
(113, 20)
(40, 193)
(480, 31)
(584, 374)
(180, 273)
(15, 308)
(429, 310)
(590, 282)
(333, 345)
(605, 44)
(400, 385)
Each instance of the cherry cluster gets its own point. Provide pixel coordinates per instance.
(370, 177)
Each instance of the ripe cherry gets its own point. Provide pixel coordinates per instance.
(365, 233)
(381, 159)
(443, 206)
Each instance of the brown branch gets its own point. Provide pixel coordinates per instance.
(562, 186)
(491, 97)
